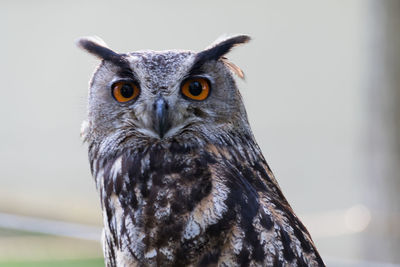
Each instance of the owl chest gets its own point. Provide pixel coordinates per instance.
(164, 224)
(155, 213)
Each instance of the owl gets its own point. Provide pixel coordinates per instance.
(181, 179)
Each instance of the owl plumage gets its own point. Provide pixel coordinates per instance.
(182, 181)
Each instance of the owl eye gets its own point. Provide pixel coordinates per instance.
(196, 88)
(125, 91)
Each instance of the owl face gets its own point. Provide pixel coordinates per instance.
(155, 96)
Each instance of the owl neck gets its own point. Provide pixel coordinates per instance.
(240, 143)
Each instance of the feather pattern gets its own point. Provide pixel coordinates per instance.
(178, 203)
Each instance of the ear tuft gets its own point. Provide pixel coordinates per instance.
(221, 47)
(217, 52)
(94, 40)
(96, 46)
(230, 40)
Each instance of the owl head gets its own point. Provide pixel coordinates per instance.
(153, 96)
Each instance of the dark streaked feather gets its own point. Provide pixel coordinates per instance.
(187, 181)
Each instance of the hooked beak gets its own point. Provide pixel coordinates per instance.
(161, 123)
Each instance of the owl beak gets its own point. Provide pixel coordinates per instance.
(161, 123)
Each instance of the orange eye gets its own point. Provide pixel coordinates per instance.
(196, 88)
(125, 91)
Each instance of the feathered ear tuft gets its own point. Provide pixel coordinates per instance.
(96, 46)
(220, 48)
(217, 52)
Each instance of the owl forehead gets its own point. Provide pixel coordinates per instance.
(160, 70)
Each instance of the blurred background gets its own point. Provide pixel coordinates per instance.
(322, 92)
